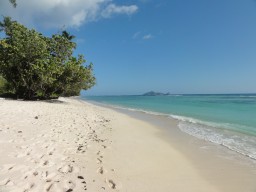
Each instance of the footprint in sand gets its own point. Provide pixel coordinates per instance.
(99, 161)
(46, 145)
(51, 150)
(5, 182)
(26, 153)
(111, 183)
(35, 173)
(44, 174)
(24, 147)
(48, 187)
(66, 169)
(7, 167)
(52, 176)
(69, 185)
(28, 186)
(10, 168)
(101, 170)
(45, 163)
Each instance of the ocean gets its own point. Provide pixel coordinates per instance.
(228, 120)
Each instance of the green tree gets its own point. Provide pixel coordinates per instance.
(13, 2)
(67, 35)
(36, 66)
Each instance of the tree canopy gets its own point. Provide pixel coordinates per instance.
(36, 66)
(13, 2)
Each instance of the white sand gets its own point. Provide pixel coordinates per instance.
(70, 145)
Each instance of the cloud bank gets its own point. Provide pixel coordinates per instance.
(58, 13)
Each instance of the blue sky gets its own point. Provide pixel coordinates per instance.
(176, 46)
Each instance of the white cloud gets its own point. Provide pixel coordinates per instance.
(78, 18)
(147, 37)
(112, 9)
(139, 35)
(57, 13)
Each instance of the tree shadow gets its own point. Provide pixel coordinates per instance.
(11, 96)
(54, 101)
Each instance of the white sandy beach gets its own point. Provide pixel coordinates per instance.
(70, 145)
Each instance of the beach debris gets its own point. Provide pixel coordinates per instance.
(80, 177)
(36, 117)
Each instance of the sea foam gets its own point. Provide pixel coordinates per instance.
(241, 143)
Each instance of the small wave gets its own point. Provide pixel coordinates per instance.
(138, 110)
(243, 144)
(200, 122)
(185, 119)
(247, 96)
(229, 126)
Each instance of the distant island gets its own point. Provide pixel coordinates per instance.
(152, 93)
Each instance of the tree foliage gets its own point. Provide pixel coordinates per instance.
(2, 85)
(13, 2)
(36, 66)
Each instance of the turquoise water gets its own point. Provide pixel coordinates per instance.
(228, 120)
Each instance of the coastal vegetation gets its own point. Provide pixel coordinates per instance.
(13, 2)
(33, 66)
(3, 85)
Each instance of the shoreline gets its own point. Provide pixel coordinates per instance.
(141, 114)
(71, 144)
(215, 157)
